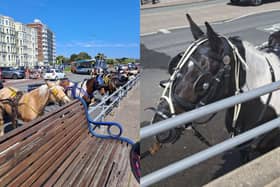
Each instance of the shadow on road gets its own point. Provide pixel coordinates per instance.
(153, 59)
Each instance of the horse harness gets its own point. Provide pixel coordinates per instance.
(52, 90)
(206, 82)
(209, 83)
(13, 101)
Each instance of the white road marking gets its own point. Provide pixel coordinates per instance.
(148, 33)
(271, 28)
(218, 22)
(164, 31)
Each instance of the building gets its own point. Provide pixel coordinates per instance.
(26, 45)
(46, 43)
(18, 43)
(8, 47)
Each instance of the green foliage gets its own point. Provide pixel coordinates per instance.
(125, 60)
(100, 56)
(80, 56)
(67, 69)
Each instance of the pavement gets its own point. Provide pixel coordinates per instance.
(164, 3)
(164, 19)
(128, 113)
(263, 171)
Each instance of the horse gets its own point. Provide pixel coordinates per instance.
(28, 106)
(110, 84)
(215, 67)
(84, 89)
(274, 41)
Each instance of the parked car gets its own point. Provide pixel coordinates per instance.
(54, 74)
(253, 2)
(12, 73)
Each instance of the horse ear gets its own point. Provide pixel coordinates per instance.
(214, 40)
(196, 31)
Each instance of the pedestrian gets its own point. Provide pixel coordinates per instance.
(155, 1)
(27, 73)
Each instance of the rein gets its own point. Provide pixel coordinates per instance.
(171, 98)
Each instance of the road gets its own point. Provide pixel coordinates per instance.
(156, 51)
(22, 84)
(164, 19)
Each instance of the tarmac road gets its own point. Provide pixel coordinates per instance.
(156, 52)
(22, 84)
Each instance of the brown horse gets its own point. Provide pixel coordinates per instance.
(110, 83)
(30, 105)
(84, 89)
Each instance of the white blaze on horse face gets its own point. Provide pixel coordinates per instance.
(258, 73)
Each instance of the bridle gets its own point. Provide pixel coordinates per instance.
(209, 82)
(54, 91)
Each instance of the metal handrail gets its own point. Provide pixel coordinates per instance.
(190, 161)
(190, 116)
(181, 119)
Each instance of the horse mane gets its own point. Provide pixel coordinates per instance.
(43, 90)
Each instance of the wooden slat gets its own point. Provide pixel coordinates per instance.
(55, 165)
(101, 167)
(28, 129)
(38, 154)
(43, 137)
(90, 171)
(119, 172)
(75, 155)
(88, 153)
(57, 150)
(38, 168)
(124, 169)
(18, 130)
(43, 132)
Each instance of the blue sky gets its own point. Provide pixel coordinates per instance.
(110, 27)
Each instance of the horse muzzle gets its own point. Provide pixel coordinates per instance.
(170, 136)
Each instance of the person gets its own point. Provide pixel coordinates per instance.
(155, 1)
(27, 73)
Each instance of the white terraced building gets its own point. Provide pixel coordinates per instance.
(18, 43)
(8, 48)
(26, 45)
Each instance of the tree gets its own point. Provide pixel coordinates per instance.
(73, 57)
(100, 56)
(83, 56)
(110, 61)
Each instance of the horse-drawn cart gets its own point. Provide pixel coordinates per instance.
(59, 149)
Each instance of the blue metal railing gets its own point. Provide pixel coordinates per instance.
(97, 122)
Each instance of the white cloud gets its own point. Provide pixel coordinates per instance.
(93, 44)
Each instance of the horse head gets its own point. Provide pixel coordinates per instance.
(57, 94)
(203, 74)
